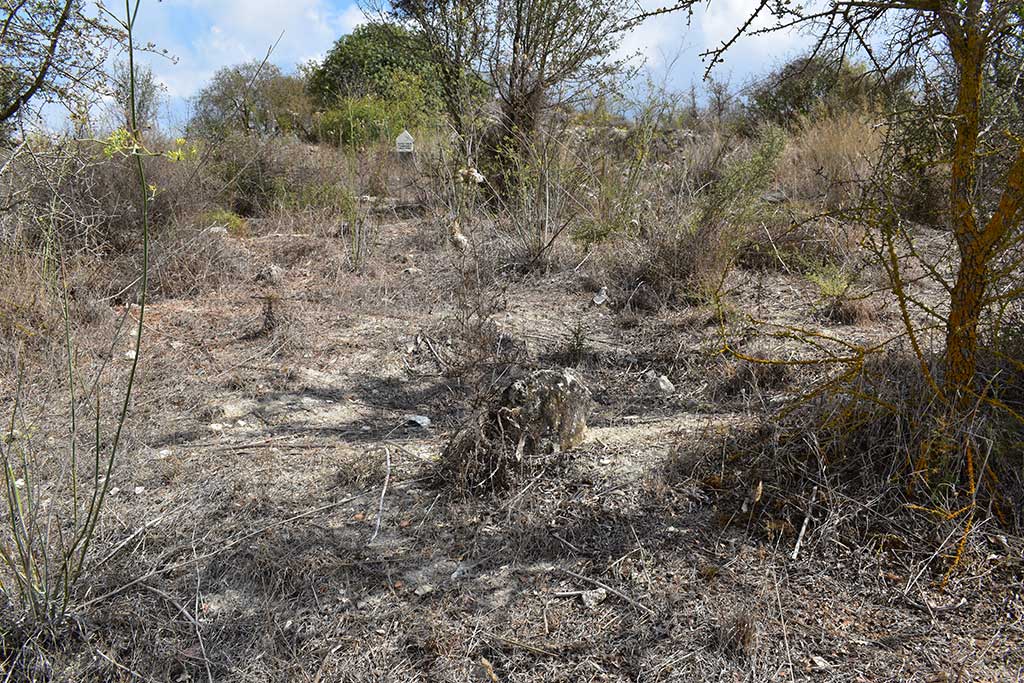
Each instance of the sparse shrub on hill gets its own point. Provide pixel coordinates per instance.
(819, 87)
(234, 224)
(254, 98)
(542, 204)
(685, 253)
(95, 208)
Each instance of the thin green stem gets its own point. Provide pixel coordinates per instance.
(137, 152)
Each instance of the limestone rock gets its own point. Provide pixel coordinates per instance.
(545, 411)
(535, 417)
(271, 275)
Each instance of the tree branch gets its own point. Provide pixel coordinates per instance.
(17, 103)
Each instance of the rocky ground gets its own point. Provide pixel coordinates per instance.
(275, 517)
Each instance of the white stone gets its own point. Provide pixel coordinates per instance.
(420, 420)
(593, 598)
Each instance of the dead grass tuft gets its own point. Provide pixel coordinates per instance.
(800, 246)
(187, 262)
(738, 377)
(29, 310)
(850, 311)
(535, 418)
(737, 634)
(827, 160)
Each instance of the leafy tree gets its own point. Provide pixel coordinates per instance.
(290, 104)
(533, 54)
(544, 50)
(813, 84)
(456, 33)
(254, 98)
(364, 63)
(148, 92)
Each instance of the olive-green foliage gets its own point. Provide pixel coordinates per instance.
(735, 196)
(330, 196)
(255, 98)
(617, 198)
(356, 121)
(235, 224)
(832, 281)
(360, 120)
(364, 64)
(815, 86)
(701, 254)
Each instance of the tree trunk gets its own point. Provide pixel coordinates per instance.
(966, 304)
(968, 294)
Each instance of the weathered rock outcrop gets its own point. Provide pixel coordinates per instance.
(535, 417)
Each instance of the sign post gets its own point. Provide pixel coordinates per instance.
(405, 145)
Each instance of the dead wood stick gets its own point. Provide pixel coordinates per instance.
(608, 588)
(383, 492)
(519, 643)
(120, 546)
(932, 610)
(803, 527)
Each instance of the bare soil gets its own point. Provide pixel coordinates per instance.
(276, 518)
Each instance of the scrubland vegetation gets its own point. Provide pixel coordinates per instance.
(240, 361)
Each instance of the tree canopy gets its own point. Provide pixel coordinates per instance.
(254, 98)
(368, 61)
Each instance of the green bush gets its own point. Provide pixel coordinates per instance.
(817, 87)
(402, 102)
(357, 121)
(362, 64)
(235, 224)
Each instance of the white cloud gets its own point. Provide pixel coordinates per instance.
(672, 43)
(351, 18)
(205, 35)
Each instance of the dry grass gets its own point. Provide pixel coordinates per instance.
(29, 307)
(826, 161)
(801, 245)
(263, 559)
(850, 311)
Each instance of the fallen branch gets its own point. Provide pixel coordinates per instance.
(519, 643)
(803, 527)
(383, 492)
(614, 591)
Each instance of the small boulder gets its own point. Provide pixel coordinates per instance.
(535, 417)
(659, 384)
(421, 421)
(546, 411)
(271, 275)
(592, 598)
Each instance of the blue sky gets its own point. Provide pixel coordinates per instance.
(204, 35)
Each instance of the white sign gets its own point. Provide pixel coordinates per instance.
(404, 143)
